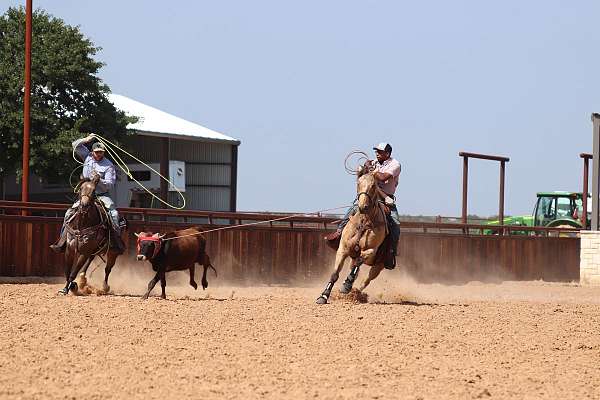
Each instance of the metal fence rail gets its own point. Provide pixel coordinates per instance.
(293, 251)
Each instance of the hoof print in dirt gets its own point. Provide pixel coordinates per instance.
(354, 296)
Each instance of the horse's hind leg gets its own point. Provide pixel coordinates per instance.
(111, 258)
(69, 259)
(340, 257)
(373, 273)
(82, 279)
(87, 265)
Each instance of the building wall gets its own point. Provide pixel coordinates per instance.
(38, 190)
(208, 169)
(208, 173)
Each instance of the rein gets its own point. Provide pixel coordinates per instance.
(376, 204)
(90, 230)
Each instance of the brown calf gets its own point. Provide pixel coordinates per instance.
(166, 254)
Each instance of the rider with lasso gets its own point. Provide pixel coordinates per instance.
(95, 167)
(387, 173)
(369, 232)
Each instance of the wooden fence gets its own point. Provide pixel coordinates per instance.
(294, 252)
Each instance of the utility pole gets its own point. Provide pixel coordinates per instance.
(26, 104)
(595, 169)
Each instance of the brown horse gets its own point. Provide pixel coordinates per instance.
(362, 236)
(87, 236)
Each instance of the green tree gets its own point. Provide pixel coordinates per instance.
(67, 96)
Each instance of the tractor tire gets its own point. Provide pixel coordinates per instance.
(567, 234)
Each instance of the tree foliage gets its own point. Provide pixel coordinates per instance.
(67, 96)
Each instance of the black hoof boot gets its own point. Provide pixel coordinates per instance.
(73, 287)
(64, 291)
(322, 300)
(346, 287)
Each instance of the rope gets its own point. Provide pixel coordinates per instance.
(104, 249)
(257, 223)
(364, 156)
(111, 149)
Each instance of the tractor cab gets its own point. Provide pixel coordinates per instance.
(558, 209)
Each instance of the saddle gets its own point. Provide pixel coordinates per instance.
(101, 232)
(385, 252)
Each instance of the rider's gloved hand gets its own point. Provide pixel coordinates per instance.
(94, 176)
(90, 137)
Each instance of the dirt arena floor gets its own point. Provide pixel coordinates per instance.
(410, 341)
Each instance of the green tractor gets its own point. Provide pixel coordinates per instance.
(552, 209)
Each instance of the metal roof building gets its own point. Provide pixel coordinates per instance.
(201, 162)
(209, 158)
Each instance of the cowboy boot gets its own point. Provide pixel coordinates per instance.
(116, 242)
(390, 257)
(61, 244)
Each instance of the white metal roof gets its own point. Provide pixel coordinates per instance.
(155, 122)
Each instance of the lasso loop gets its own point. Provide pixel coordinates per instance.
(76, 187)
(364, 157)
(111, 149)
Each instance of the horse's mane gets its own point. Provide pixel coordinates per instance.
(82, 180)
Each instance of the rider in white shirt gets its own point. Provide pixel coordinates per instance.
(94, 163)
(387, 173)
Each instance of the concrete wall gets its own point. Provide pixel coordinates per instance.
(589, 265)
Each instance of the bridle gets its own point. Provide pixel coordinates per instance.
(83, 209)
(366, 194)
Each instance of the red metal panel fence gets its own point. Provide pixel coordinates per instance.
(295, 253)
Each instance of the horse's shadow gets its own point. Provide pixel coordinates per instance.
(139, 296)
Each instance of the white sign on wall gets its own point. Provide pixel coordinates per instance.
(148, 178)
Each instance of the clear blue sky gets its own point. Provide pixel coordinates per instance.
(303, 83)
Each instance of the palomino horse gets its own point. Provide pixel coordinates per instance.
(361, 237)
(87, 235)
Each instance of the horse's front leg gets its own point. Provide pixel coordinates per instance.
(347, 286)
(79, 261)
(340, 257)
(369, 256)
(69, 260)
